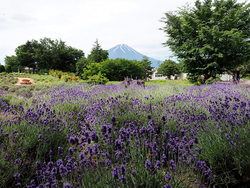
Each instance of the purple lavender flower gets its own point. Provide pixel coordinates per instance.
(201, 165)
(60, 151)
(167, 186)
(167, 134)
(168, 176)
(123, 179)
(182, 132)
(18, 184)
(209, 173)
(149, 116)
(54, 171)
(158, 164)
(232, 143)
(108, 163)
(6, 134)
(94, 136)
(81, 156)
(196, 140)
(228, 137)
(163, 118)
(40, 186)
(62, 170)
(66, 185)
(32, 184)
(115, 172)
(6, 157)
(163, 158)
(123, 169)
(17, 161)
(50, 165)
(59, 162)
(148, 165)
(198, 149)
(104, 129)
(113, 119)
(237, 135)
(73, 140)
(172, 165)
(50, 153)
(118, 144)
(133, 172)
(191, 144)
(17, 176)
(71, 151)
(138, 143)
(40, 136)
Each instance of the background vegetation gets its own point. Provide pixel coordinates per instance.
(210, 38)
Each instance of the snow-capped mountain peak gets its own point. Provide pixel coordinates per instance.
(126, 52)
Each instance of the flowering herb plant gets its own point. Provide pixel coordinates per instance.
(78, 135)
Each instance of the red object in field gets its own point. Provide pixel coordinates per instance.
(25, 82)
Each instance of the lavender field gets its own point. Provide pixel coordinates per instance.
(77, 135)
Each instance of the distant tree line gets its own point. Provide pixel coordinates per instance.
(44, 54)
(47, 54)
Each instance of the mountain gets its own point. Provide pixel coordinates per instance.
(126, 52)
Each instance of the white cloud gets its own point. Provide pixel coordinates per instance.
(80, 22)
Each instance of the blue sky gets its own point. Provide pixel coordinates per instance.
(80, 22)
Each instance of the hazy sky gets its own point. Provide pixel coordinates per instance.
(80, 22)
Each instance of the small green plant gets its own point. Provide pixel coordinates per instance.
(4, 87)
(212, 80)
(97, 79)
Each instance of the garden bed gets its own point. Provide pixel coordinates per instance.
(116, 136)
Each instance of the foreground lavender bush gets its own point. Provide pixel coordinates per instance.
(117, 136)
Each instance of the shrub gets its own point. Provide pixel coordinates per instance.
(4, 87)
(212, 80)
(2, 68)
(97, 79)
(8, 69)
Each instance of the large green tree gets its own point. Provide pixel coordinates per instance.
(118, 69)
(13, 62)
(48, 54)
(168, 68)
(26, 54)
(211, 37)
(148, 69)
(115, 69)
(97, 54)
(81, 64)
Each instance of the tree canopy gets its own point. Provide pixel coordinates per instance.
(211, 37)
(97, 54)
(46, 54)
(115, 69)
(168, 68)
(148, 70)
(81, 64)
(118, 69)
(13, 62)
(2, 68)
